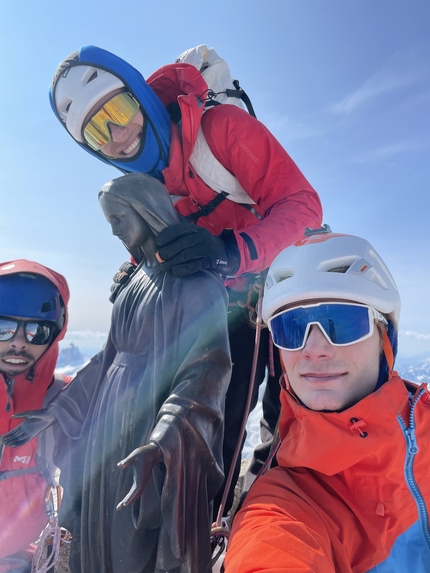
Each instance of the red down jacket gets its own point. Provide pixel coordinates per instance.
(22, 514)
(245, 147)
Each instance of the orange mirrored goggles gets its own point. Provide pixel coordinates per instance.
(119, 110)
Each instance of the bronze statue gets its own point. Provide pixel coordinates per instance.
(140, 428)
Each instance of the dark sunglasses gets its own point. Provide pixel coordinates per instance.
(35, 332)
(341, 323)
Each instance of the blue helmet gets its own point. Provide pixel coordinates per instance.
(29, 295)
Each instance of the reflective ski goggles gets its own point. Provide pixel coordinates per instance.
(35, 332)
(119, 110)
(341, 323)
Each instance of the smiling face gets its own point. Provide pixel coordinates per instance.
(125, 222)
(17, 355)
(125, 142)
(333, 378)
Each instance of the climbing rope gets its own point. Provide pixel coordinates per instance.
(53, 534)
(220, 531)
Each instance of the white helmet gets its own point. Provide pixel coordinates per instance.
(327, 265)
(77, 90)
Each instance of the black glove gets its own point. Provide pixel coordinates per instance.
(120, 278)
(186, 249)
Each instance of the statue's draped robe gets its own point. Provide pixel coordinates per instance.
(162, 376)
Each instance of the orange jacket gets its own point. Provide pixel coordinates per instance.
(350, 492)
(22, 497)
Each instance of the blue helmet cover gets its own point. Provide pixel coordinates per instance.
(153, 156)
(28, 295)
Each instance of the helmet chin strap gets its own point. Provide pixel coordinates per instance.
(389, 354)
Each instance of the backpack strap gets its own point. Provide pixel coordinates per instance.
(237, 93)
(40, 468)
(218, 178)
(46, 442)
(6, 474)
(241, 94)
(214, 174)
(208, 208)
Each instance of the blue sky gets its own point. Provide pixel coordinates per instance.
(343, 84)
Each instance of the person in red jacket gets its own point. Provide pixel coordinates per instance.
(241, 197)
(351, 492)
(33, 317)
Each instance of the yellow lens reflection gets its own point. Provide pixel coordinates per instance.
(119, 110)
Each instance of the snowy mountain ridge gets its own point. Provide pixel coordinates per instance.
(415, 369)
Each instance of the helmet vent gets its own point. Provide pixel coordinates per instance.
(92, 77)
(48, 306)
(337, 265)
(276, 278)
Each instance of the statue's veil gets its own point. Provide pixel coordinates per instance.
(147, 196)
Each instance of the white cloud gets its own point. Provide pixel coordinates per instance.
(287, 131)
(386, 152)
(412, 343)
(380, 83)
(85, 335)
(415, 335)
(403, 70)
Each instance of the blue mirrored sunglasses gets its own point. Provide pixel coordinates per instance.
(341, 323)
(35, 332)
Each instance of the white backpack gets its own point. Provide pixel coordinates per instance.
(222, 90)
(215, 70)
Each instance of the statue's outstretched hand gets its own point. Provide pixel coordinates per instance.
(35, 421)
(143, 460)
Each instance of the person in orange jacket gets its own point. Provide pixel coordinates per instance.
(352, 488)
(33, 318)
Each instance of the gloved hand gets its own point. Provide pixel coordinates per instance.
(120, 278)
(186, 249)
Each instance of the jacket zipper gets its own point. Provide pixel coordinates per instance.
(9, 383)
(412, 450)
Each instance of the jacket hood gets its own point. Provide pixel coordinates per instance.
(153, 155)
(183, 90)
(40, 376)
(333, 442)
(174, 81)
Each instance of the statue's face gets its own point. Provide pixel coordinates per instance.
(125, 222)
